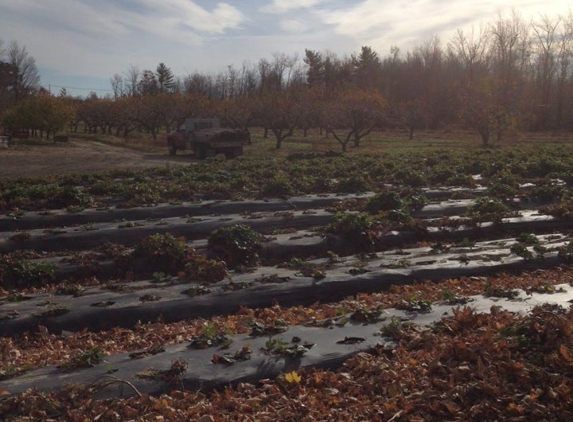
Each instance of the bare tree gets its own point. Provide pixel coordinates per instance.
(198, 83)
(470, 50)
(132, 80)
(25, 79)
(117, 86)
(510, 52)
(279, 112)
(353, 115)
(564, 62)
(545, 47)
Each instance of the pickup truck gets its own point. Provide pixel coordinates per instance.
(206, 138)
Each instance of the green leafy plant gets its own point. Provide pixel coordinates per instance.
(498, 291)
(278, 346)
(353, 184)
(162, 253)
(414, 305)
(487, 208)
(17, 297)
(528, 239)
(393, 329)
(521, 250)
(72, 289)
(196, 291)
(565, 253)
(53, 310)
(358, 228)
(149, 298)
(277, 188)
(19, 272)
(210, 336)
(199, 268)
(384, 201)
(452, 299)
(260, 329)
(161, 277)
(465, 243)
(235, 245)
(366, 315)
(170, 376)
(85, 359)
(240, 355)
(13, 371)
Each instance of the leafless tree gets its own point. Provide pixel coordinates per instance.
(117, 86)
(132, 76)
(545, 48)
(25, 79)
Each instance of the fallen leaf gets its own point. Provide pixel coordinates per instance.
(293, 377)
(564, 351)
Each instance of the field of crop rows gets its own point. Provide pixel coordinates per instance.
(132, 285)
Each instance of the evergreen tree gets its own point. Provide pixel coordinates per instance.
(165, 78)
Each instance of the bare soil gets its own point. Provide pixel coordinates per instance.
(80, 156)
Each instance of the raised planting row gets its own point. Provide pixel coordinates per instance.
(184, 267)
(196, 221)
(209, 289)
(206, 251)
(215, 358)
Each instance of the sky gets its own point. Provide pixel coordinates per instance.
(81, 44)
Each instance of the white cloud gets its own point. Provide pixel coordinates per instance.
(97, 38)
(189, 14)
(295, 25)
(405, 24)
(283, 6)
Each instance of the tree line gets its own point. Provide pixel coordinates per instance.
(504, 76)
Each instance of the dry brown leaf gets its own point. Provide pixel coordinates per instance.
(564, 352)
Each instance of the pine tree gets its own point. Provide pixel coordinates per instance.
(165, 78)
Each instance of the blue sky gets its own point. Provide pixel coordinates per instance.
(82, 43)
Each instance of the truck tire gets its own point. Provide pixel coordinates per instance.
(172, 148)
(232, 153)
(200, 152)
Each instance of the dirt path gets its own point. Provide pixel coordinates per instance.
(80, 156)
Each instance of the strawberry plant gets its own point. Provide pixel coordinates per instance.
(235, 245)
(19, 272)
(277, 188)
(384, 201)
(360, 229)
(85, 359)
(162, 253)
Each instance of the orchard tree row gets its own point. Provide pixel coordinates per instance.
(507, 75)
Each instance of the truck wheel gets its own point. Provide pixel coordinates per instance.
(200, 152)
(172, 149)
